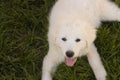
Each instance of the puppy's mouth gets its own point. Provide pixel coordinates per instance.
(70, 61)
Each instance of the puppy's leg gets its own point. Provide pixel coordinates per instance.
(96, 64)
(110, 11)
(50, 63)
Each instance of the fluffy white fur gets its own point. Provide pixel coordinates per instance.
(73, 19)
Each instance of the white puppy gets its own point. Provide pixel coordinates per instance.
(72, 31)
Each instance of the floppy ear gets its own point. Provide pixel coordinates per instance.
(90, 36)
(52, 36)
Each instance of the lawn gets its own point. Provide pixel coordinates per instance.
(23, 43)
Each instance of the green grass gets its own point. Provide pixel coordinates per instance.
(23, 43)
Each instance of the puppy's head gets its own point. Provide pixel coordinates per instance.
(73, 40)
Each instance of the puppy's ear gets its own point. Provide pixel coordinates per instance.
(90, 36)
(52, 37)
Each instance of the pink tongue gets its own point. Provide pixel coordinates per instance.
(70, 62)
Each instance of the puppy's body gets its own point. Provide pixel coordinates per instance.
(72, 32)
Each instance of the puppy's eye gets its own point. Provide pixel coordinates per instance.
(64, 39)
(77, 40)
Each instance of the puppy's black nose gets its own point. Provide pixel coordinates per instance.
(69, 54)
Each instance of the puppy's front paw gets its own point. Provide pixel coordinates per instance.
(101, 75)
(46, 77)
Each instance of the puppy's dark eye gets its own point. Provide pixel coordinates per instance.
(77, 40)
(64, 39)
